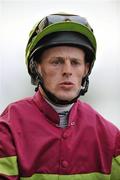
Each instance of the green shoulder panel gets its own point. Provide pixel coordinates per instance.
(8, 166)
(115, 174)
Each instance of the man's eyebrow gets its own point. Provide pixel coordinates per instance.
(57, 57)
(77, 59)
(62, 58)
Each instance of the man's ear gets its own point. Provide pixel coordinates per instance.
(39, 68)
(87, 67)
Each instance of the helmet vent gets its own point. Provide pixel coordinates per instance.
(67, 20)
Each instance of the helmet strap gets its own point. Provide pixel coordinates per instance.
(85, 85)
(55, 100)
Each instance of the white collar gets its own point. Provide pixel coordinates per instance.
(60, 109)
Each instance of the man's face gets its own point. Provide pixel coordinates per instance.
(62, 69)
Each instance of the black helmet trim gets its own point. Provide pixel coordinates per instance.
(64, 38)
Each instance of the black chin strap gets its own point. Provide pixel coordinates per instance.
(53, 99)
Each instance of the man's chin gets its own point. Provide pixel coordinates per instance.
(66, 98)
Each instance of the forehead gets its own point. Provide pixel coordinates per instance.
(63, 51)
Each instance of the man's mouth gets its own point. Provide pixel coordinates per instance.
(66, 84)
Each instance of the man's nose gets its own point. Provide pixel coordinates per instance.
(67, 68)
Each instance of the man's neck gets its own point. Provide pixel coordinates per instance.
(62, 110)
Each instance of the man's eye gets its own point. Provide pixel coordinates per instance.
(75, 62)
(57, 61)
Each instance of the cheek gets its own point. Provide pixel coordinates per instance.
(79, 76)
(84, 71)
(48, 75)
(50, 78)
